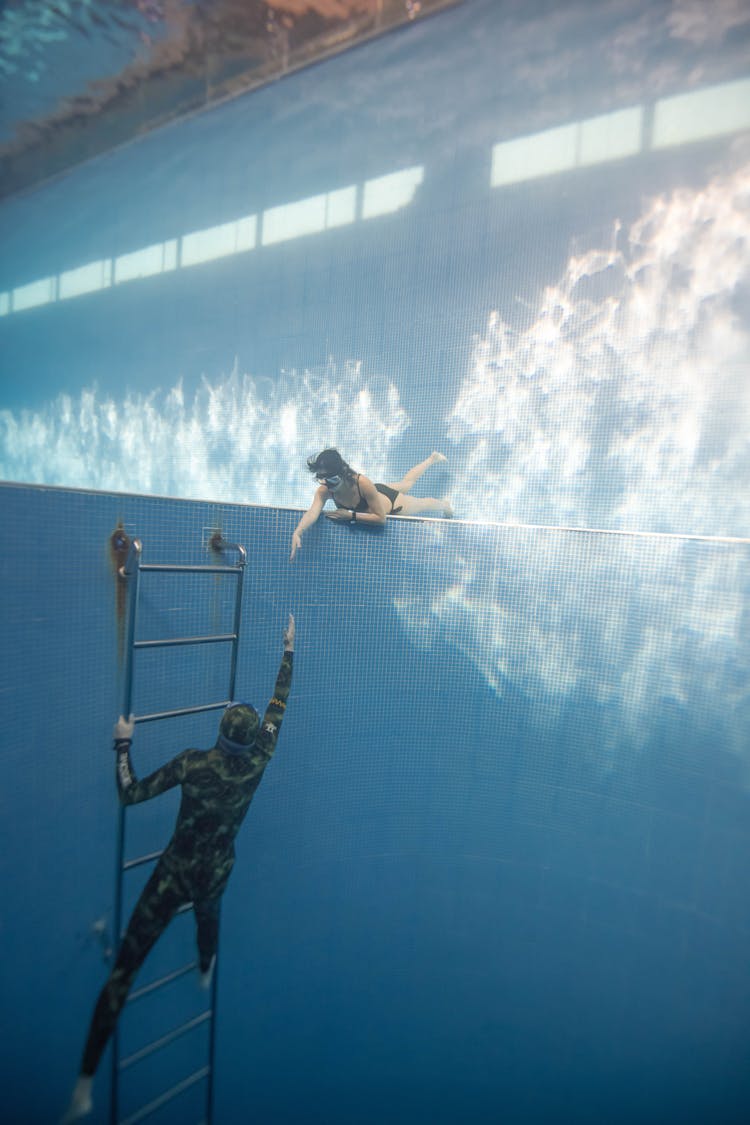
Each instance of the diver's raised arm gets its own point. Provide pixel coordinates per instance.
(269, 730)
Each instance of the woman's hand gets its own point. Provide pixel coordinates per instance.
(289, 635)
(296, 544)
(339, 514)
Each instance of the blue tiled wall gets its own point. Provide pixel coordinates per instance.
(463, 892)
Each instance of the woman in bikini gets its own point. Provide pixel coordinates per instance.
(358, 500)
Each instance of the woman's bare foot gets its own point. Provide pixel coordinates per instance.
(447, 510)
(436, 457)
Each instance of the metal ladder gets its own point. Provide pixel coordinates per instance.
(131, 572)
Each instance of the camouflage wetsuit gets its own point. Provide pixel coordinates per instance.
(217, 788)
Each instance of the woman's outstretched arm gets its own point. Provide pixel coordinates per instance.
(309, 518)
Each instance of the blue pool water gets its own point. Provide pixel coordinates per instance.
(497, 869)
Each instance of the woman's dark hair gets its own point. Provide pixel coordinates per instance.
(330, 463)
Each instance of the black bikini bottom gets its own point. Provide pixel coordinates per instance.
(391, 493)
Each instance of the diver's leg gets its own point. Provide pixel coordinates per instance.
(414, 474)
(207, 924)
(418, 505)
(153, 912)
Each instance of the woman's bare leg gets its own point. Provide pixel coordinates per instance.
(416, 505)
(414, 474)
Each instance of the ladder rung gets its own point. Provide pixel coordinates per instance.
(183, 568)
(170, 642)
(182, 711)
(157, 1044)
(140, 860)
(167, 1096)
(148, 988)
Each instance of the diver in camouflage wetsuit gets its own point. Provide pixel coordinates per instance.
(217, 788)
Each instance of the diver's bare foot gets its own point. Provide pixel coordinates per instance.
(447, 510)
(436, 457)
(80, 1104)
(207, 976)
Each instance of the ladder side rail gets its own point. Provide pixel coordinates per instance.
(212, 1033)
(130, 573)
(233, 672)
(232, 683)
(237, 618)
(242, 561)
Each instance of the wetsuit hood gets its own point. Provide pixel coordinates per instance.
(238, 728)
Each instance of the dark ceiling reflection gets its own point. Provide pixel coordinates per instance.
(78, 77)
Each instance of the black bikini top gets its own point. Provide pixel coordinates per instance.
(361, 506)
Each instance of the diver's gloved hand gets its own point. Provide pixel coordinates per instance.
(123, 731)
